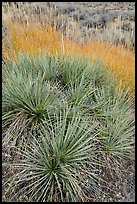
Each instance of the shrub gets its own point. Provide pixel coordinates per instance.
(131, 15)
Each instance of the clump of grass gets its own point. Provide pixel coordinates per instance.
(66, 120)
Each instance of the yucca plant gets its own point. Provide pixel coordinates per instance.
(107, 101)
(53, 162)
(44, 64)
(116, 138)
(81, 78)
(27, 98)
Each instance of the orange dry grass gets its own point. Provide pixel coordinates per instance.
(120, 60)
(33, 38)
(4, 51)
